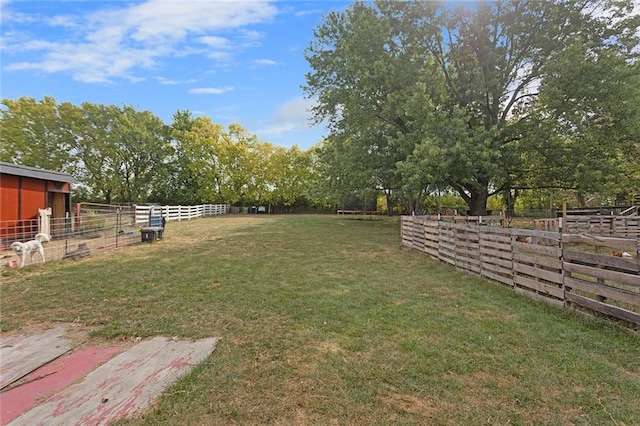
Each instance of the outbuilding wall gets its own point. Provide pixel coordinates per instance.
(26, 190)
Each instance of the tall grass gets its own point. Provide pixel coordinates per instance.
(326, 320)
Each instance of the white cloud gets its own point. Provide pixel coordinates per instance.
(216, 42)
(65, 21)
(169, 82)
(210, 90)
(267, 62)
(293, 115)
(9, 15)
(303, 13)
(116, 42)
(291, 124)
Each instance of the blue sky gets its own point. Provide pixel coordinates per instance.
(233, 61)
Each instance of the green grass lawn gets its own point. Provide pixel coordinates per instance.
(328, 320)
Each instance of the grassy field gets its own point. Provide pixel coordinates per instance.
(328, 320)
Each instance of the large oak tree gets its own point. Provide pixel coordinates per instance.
(473, 97)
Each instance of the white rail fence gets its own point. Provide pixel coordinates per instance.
(179, 213)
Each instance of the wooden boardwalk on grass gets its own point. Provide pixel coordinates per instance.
(123, 386)
(19, 356)
(50, 378)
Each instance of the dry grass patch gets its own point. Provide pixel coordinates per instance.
(429, 408)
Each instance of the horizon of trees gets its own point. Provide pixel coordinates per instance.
(120, 155)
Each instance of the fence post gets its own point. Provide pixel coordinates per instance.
(43, 221)
(118, 212)
(76, 215)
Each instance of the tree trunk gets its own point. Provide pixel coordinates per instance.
(478, 203)
(387, 194)
(413, 204)
(476, 198)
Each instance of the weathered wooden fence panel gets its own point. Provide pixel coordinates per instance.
(618, 226)
(496, 256)
(491, 220)
(411, 230)
(598, 280)
(627, 226)
(467, 248)
(431, 237)
(549, 225)
(537, 265)
(447, 243)
(595, 273)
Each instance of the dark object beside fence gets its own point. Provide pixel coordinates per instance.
(155, 229)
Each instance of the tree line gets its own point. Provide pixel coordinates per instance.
(504, 100)
(121, 155)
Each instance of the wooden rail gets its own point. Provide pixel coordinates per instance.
(598, 274)
(621, 226)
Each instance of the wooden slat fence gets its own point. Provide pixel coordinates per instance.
(467, 249)
(619, 226)
(496, 255)
(570, 270)
(492, 220)
(447, 243)
(552, 225)
(537, 265)
(599, 282)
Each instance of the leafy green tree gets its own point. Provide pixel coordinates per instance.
(116, 154)
(245, 165)
(179, 185)
(32, 134)
(288, 174)
(92, 128)
(140, 154)
(465, 93)
(364, 72)
(339, 181)
(121, 153)
(589, 103)
(199, 161)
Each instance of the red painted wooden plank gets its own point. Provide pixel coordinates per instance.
(51, 378)
(23, 354)
(123, 386)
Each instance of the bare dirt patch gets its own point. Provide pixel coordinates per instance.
(332, 347)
